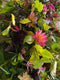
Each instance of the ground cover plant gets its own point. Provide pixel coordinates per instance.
(29, 40)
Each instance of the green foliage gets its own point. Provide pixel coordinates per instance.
(14, 42)
(14, 63)
(6, 31)
(0, 3)
(38, 64)
(8, 8)
(4, 70)
(43, 52)
(5, 39)
(28, 39)
(25, 21)
(19, 58)
(40, 22)
(45, 60)
(56, 47)
(46, 27)
(20, 3)
(39, 7)
(43, 75)
(36, 61)
(43, 24)
(58, 5)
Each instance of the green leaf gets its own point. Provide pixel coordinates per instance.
(43, 52)
(40, 22)
(46, 27)
(46, 54)
(38, 64)
(10, 3)
(28, 39)
(38, 6)
(45, 60)
(4, 70)
(6, 31)
(25, 21)
(56, 47)
(33, 58)
(45, 74)
(20, 3)
(38, 48)
(8, 8)
(13, 19)
(14, 63)
(59, 30)
(19, 58)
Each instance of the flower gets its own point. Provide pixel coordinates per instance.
(25, 77)
(28, 64)
(33, 19)
(44, 7)
(22, 57)
(50, 6)
(41, 69)
(40, 37)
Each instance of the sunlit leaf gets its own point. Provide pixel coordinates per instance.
(38, 64)
(43, 52)
(19, 58)
(45, 60)
(13, 19)
(6, 31)
(46, 27)
(28, 39)
(33, 58)
(46, 54)
(25, 21)
(14, 63)
(38, 5)
(38, 48)
(33, 8)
